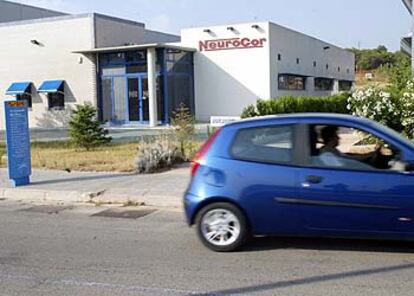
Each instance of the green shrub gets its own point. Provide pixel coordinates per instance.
(85, 130)
(156, 154)
(289, 104)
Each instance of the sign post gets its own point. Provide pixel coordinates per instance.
(219, 121)
(18, 142)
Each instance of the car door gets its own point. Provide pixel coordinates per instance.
(340, 201)
(263, 168)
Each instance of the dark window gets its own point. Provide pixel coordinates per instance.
(314, 63)
(180, 92)
(264, 144)
(322, 84)
(297, 61)
(291, 82)
(56, 101)
(345, 85)
(25, 97)
(327, 66)
(350, 148)
(347, 71)
(136, 68)
(174, 55)
(116, 58)
(133, 57)
(339, 69)
(279, 57)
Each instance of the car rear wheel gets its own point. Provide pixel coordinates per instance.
(222, 227)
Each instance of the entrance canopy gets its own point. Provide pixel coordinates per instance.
(18, 88)
(136, 47)
(51, 86)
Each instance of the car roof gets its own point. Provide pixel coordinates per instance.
(302, 116)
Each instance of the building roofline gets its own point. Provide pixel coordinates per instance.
(46, 20)
(270, 23)
(69, 17)
(114, 18)
(310, 36)
(35, 7)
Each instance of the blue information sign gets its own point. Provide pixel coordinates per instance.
(18, 142)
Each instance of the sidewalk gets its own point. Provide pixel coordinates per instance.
(160, 190)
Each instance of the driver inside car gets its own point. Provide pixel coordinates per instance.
(330, 155)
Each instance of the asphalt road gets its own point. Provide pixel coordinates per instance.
(72, 253)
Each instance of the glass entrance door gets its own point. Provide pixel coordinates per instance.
(138, 99)
(144, 99)
(133, 99)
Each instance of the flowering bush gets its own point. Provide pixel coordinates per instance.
(407, 109)
(373, 103)
(393, 109)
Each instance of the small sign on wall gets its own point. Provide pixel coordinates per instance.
(219, 121)
(18, 142)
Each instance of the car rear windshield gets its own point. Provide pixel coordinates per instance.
(270, 144)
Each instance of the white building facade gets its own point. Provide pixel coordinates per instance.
(135, 76)
(235, 65)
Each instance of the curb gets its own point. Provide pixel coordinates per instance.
(89, 197)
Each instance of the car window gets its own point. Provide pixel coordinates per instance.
(271, 144)
(350, 148)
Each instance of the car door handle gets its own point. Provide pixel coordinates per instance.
(314, 179)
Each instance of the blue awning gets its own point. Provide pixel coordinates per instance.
(18, 88)
(51, 86)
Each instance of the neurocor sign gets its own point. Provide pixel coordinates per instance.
(233, 43)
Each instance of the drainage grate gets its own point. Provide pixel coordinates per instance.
(126, 214)
(47, 209)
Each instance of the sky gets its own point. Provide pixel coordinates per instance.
(347, 23)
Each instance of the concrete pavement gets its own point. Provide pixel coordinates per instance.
(75, 252)
(162, 190)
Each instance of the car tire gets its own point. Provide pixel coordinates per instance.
(222, 227)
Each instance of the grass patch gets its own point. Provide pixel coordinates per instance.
(63, 156)
(2, 153)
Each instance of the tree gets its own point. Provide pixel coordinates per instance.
(184, 128)
(85, 130)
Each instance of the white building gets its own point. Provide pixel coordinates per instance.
(137, 76)
(406, 42)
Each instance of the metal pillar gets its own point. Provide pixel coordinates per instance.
(152, 87)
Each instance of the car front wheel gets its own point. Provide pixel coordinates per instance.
(222, 227)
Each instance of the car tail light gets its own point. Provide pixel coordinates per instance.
(202, 152)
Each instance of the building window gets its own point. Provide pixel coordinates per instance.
(314, 63)
(324, 84)
(297, 61)
(339, 69)
(327, 66)
(56, 101)
(291, 82)
(345, 85)
(25, 97)
(279, 57)
(347, 71)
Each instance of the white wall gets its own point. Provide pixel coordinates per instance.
(23, 61)
(292, 45)
(228, 80)
(117, 32)
(10, 12)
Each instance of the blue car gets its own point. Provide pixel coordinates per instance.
(315, 175)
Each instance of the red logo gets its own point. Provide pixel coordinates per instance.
(233, 43)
